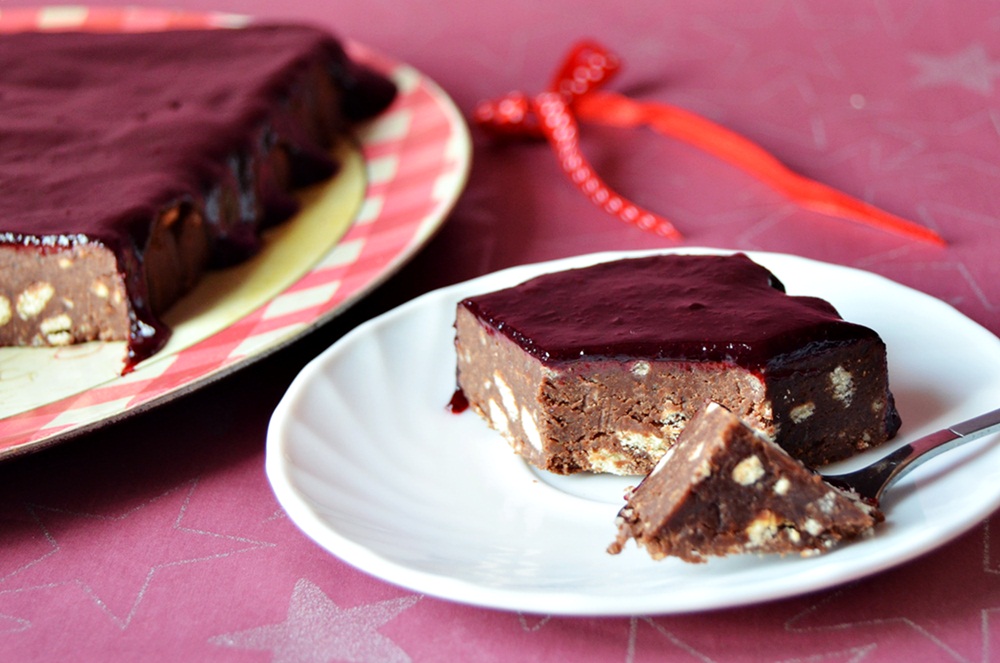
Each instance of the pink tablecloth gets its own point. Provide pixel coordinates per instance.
(158, 539)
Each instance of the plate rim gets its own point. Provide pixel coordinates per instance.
(278, 469)
(456, 165)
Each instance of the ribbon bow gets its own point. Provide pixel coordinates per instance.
(574, 95)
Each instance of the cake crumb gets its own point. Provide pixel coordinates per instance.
(843, 385)
(800, 413)
(748, 471)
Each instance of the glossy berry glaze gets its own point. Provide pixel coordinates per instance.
(103, 131)
(667, 307)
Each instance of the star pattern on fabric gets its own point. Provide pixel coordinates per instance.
(799, 66)
(970, 68)
(633, 636)
(678, 646)
(531, 624)
(115, 567)
(10, 624)
(317, 630)
(18, 523)
(875, 608)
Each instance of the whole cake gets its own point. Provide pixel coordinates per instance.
(724, 489)
(599, 368)
(130, 163)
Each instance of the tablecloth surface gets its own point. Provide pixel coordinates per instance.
(159, 538)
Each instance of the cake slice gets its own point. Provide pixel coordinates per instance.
(599, 369)
(725, 489)
(131, 163)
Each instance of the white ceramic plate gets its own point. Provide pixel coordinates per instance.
(391, 195)
(366, 459)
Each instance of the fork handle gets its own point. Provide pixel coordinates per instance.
(888, 470)
(976, 427)
(923, 449)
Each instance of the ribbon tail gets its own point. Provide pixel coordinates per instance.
(560, 129)
(617, 110)
(827, 200)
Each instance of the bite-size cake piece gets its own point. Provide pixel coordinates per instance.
(599, 368)
(725, 489)
(131, 163)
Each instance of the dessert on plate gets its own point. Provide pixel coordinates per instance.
(132, 163)
(600, 368)
(724, 488)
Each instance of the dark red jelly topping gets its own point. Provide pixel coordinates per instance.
(459, 403)
(103, 131)
(666, 307)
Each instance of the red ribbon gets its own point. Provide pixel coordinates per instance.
(574, 94)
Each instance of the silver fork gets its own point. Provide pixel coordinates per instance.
(872, 481)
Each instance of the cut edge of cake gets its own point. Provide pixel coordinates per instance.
(725, 489)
